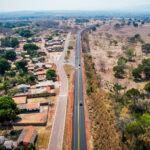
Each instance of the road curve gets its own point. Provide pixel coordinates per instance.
(79, 134)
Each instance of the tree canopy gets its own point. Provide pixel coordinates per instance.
(8, 109)
(26, 33)
(9, 42)
(22, 65)
(50, 74)
(4, 66)
(10, 55)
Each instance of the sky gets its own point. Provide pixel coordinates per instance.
(21, 5)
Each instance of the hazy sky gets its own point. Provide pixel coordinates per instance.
(13, 5)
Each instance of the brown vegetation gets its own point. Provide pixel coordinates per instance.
(105, 135)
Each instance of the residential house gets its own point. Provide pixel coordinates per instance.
(41, 75)
(8, 144)
(36, 60)
(27, 136)
(45, 84)
(29, 107)
(41, 52)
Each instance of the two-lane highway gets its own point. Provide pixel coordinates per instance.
(79, 134)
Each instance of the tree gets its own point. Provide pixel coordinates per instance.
(68, 52)
(116, 90)
(30, 79)
(26, 33)
(22, 64)
(146, 48)
(50, 74)
(10, 55)
(30, 48)
(8, 109)
(50, 38)
(130, 54)
(4, 66)
(122, 61)
(5, 42)
(134, 94)
(117, 26)
(135, 128)
(9, 42)
(14, 42)
(119, 71)
(5, 86)
(137, 72)
(147, 87)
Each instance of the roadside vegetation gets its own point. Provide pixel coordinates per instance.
(105, 135)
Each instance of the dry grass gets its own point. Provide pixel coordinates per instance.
(41, 99)
(105, 135)
(43, 138)
(105, 55)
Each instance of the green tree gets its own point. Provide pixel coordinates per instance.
(22, 64)
(6, 86)
(50, 38)
(50, 74)
(146, 47)
(5, 42)
(14, 42)
(119, 71)
(68, 52)
(30, 79)
(135, 128)
(4, 66)
(134, 94)
(26, 33)
(31, 48)
(147, 87)
(122, 61)
(8, 109)
(10, 55)
(116, 88)
(137, 72)
(130, 54)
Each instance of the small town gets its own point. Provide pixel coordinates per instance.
(74, 75)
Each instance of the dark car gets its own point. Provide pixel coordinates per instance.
(81, 103)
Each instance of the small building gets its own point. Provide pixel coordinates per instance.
(27, 136)
(30, 68)
(20, 99)
(41, 75)
(36, 60)
(29, 107)
(41, 52)
(23, 86)
(8, 144)
(45, 84)
(2, 139)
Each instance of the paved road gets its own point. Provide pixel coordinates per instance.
(56, 139)
(79, 135)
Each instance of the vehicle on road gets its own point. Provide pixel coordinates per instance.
(81, 103)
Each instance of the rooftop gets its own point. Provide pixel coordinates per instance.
(20, 99)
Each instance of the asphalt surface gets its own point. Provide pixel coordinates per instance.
(56, 138)
(79, 135)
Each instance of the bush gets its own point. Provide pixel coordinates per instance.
(89, 90)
